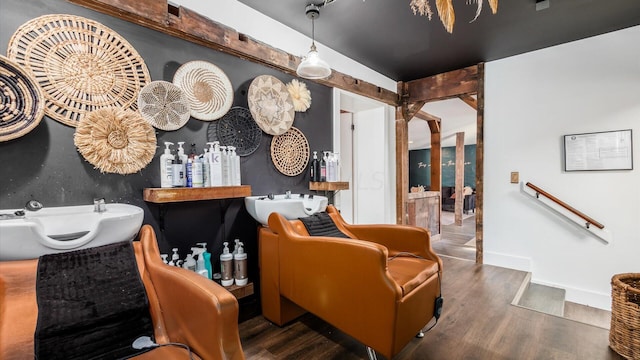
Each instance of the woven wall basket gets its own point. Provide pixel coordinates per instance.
(164, 105)
(207, 87)
(271, 104)
(80, 64)
(237, 128)
(21, 101)
(290, 152)
(115, 140)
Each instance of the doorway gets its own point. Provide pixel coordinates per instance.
(363, 134)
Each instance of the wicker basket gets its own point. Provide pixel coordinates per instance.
(624, 336)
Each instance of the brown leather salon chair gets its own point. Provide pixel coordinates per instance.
(185, 308)
(379, 286)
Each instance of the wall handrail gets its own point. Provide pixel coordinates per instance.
(586, 218)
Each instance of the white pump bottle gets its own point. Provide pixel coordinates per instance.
(166, 166)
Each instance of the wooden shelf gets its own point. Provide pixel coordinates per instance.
(241, 291)
(170, 195)
(329, 186)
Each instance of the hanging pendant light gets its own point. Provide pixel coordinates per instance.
(312, 67)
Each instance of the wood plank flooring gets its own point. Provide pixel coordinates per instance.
(453, 240)
(478, 322)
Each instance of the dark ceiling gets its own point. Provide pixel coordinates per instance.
(385, 35)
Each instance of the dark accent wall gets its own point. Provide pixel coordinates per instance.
(420, 166)
(45, 165)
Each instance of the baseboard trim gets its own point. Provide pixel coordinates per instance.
(581, 296)
(507, 261)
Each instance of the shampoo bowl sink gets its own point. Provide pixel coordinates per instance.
(297, 206)
(59, 229)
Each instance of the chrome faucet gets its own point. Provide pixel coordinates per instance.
(33, 205)
(287, 194)
(99, 206)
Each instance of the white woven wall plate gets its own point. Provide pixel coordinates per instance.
(207, 87)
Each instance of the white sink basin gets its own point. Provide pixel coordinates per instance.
(64, 228)
(260, 207)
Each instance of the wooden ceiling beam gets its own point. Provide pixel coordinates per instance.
(469, 100)
(432, 120)
(442, 86)
(191, 26)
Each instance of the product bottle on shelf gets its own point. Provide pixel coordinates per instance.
(323, 167)
(240, 265)
(314, 174)
(183, 158)
(226, 266)
(216, 164)
(166, 166)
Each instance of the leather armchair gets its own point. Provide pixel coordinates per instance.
(185, 308)
(368, 286)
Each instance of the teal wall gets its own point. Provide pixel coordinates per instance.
(420, 167)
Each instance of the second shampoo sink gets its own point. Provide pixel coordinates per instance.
(291, 206)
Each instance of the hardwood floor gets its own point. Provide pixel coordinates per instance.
(453, 240)
(478, 322)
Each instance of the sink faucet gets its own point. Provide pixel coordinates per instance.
(99, 206)
(287, 194)
(31, 205)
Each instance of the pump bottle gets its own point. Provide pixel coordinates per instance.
(177, 173)
(216, 164)
(314, 169)
(240, 265)
(206, 168)
(226, 266)
(226, 173)
(189, 263)
(323, 167)
(183, 158)
(166, 166)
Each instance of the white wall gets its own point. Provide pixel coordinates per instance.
(531, 101)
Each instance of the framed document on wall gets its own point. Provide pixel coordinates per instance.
(609, 150)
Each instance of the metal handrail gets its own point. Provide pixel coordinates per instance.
(588, 219)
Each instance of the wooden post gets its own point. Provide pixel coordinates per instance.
(402, 167)
(459, 178)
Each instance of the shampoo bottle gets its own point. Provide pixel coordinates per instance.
(314, 169)
(177, 173)
(206, 168)
(235, 172)
(183, 158)
(226, 266)
(166, 166)
(200, 261)
(206, 257)
(240, 264)
(216, 164)
(175, 257)
(225, 166)
(323, 167)
(197, 172)
(189, 263)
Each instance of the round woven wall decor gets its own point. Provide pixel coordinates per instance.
(115, 140)
(207, 87)
(164, 105)
(290, 152)
(21, 101)
(237, 128)
(80, 64)
(271, 104)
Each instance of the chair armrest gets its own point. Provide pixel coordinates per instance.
(396, 238)
(195, 310)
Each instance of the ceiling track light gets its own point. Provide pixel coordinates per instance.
(311, 66)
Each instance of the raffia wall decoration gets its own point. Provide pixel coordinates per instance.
(445, 10)
(115, 140)
(300, 95)
(80, 64)
(164, 105)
